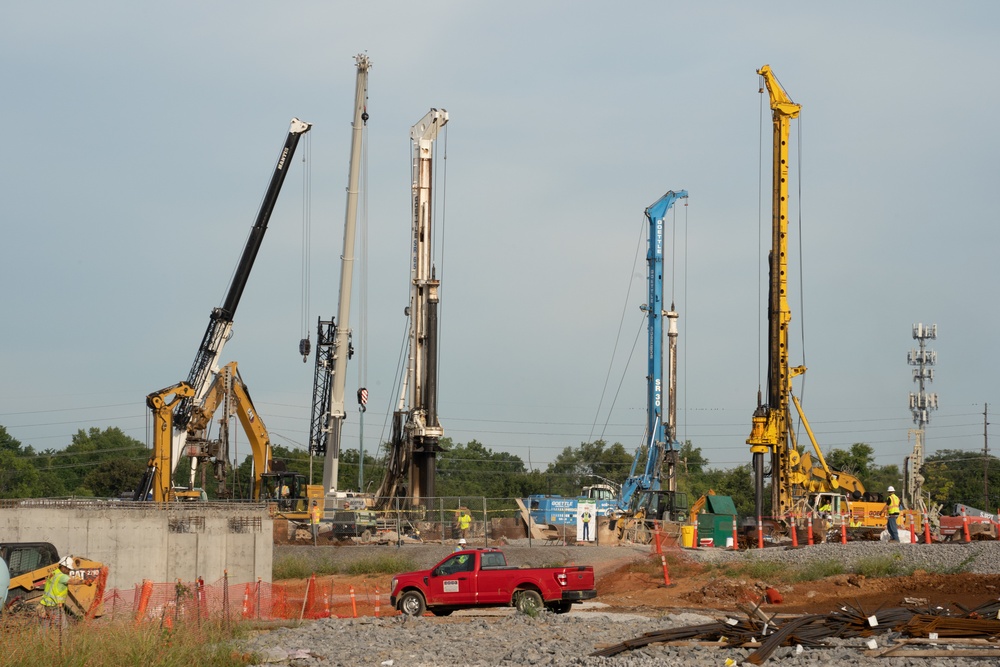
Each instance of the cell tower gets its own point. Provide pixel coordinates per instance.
(921, 404)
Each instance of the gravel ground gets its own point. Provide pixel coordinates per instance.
(505, 637)
(975, 557)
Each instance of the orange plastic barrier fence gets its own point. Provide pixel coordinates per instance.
(170, 603)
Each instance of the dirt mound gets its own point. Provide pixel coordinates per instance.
(641, 585)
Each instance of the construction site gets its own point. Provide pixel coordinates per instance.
(817, 563)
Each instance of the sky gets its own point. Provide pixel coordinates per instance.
(139, 139)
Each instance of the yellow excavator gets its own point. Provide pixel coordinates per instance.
(287, 491)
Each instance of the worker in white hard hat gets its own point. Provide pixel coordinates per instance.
(54, 596)
(461, 544)
(892, 514)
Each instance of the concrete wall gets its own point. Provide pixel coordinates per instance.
(139, 541)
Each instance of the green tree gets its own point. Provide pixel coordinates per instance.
(86, 452)
(18, 477)
(472, 469)
(577, 467)
(856, 461)
(735, 482)
(956, 476)
(112, 477)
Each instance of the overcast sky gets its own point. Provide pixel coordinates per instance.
(139, 139)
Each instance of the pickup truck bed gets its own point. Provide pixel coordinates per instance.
(482, 578)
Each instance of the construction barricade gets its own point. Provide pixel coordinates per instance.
(169, 604)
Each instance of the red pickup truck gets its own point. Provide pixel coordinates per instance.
(482, 578)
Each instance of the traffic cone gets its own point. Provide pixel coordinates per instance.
(927, 530)
(965, 527)
(913, 530)
(666, 574)
(760, 532)
(736, 538)
(795, 530)
(843, 529)
(145, 592)
(809, 525)
(247, 603)
(354, 604)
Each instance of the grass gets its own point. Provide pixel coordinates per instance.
(883, 566)
(299, 566)
(119, 644)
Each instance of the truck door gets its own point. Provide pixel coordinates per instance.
(493, 579)
(453, 582)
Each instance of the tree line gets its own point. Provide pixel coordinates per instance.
(107, 464)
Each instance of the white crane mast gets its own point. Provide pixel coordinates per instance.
(342, 336)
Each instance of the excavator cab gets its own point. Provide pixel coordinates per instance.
(286, 489)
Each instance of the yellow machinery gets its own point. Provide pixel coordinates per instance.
(289, 491)
(31, 563)
(176, 406)
(770, 436)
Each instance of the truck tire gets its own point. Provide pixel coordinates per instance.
(529, 602)
(561, 607)
(412, 603)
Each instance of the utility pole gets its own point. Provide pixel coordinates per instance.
(986, 459)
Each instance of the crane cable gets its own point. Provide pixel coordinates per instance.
(614, 351)
(306, 270)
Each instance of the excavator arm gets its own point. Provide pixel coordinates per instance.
(229, 390)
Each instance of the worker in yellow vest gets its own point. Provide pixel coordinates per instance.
(54, 595)
(893, 514)
(464, 521)
(315, 514)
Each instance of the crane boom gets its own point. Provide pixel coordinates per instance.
(330, 401)
(220, 322)
(174, 406)
(660, 432)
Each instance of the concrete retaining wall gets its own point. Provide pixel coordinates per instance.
(139, 541)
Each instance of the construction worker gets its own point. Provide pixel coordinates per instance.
(315, 514)
(54, 596)
(464, 521)
(585, 518)
(461, 544)
(893, 514)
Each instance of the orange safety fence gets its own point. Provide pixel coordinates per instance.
(170, 603)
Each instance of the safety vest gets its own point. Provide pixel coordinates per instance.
(56, 589)
(315, 513)
(464, 521)
(893, 503)
(585, 517)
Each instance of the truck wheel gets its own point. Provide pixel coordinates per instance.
(412, 603)
(529, 602)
